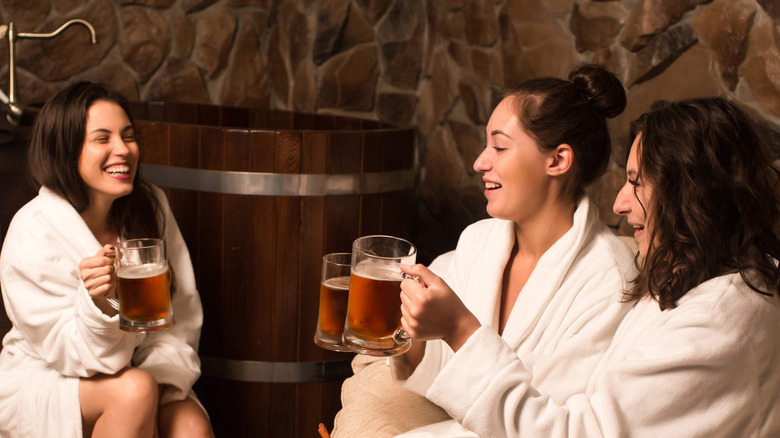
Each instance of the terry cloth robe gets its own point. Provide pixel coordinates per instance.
(59, 335)
(563, 319)
(708, 368)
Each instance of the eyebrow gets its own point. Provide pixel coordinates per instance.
(498, 131)
(108, 131)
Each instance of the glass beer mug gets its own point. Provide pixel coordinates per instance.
(143, 285)
(373, 324)
(334, 287)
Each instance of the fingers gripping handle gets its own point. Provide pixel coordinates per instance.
(400, 335)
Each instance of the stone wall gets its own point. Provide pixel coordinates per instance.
(433, 64)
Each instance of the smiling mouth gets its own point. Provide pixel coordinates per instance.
(118, 169)
(492, 186)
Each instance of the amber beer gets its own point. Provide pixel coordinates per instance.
(373, 324)
(374, 310)
(144, 285)
(333, 308)
(144, 292)
(334, 287)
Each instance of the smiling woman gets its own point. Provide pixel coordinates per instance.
(543, 276)
(65, 359)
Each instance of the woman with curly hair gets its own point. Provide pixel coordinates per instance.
(699, 352)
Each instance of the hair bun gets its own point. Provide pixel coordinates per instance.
(601, 88)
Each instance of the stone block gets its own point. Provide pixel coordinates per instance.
(661, 52)
(27, 15)
(304, 87)
(331, 17)
(277, 65)
(214, 32)
(476, 98)
(348, 80)
(403, 63)
(118, 76)
(596, 24)
(651, 17)
(373, 9)
(246, 81)
(396, 108)
(481, 23)
(724, 26)
(145, 39)
(177, 80)
(182, 32)
(195, 5)
(761, 68)
(694, 74)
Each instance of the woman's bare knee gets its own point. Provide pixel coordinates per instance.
(184, 418)
(126, 400)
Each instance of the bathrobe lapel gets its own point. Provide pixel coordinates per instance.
(546, 279)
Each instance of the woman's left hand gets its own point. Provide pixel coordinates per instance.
(431, 310)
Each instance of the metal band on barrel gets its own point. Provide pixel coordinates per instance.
(278, 184)
(275, 372)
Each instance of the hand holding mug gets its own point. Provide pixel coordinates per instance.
(98, 273)
(431, 310)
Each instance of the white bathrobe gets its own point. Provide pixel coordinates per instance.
(560, 326)
(707, 368)
(59, 335)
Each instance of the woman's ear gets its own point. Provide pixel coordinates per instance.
(561, 160)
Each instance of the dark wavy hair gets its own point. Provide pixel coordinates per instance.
(57, 141)
(556, 111)
(714, 202)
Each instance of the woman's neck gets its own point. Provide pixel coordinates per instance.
(537, 235)
(96, 218)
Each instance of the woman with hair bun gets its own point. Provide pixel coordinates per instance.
(544, 275)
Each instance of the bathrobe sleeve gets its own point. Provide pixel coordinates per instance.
(705, 368)
(171, 355)
(53, 316)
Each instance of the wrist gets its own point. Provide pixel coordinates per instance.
(463, 329)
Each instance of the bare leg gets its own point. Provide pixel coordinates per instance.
(120, 405)
(184, 419)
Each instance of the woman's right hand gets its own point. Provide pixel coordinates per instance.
(98, 273)
(431, 310)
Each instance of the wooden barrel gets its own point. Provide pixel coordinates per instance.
(260, 196)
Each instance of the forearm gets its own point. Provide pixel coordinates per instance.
(405, 364)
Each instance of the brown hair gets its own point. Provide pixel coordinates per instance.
(574, 112)
(57, 141)
(714, 201)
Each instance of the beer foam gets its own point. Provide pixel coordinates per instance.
(142, 271)
(341, 283)
(378, 270)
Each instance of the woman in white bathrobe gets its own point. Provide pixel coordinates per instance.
(699, 353)
(66, 369)
(544, 275)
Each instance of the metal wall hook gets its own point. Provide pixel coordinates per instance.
(13, 109)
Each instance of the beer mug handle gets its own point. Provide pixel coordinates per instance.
(400, 335)
(113, 302)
